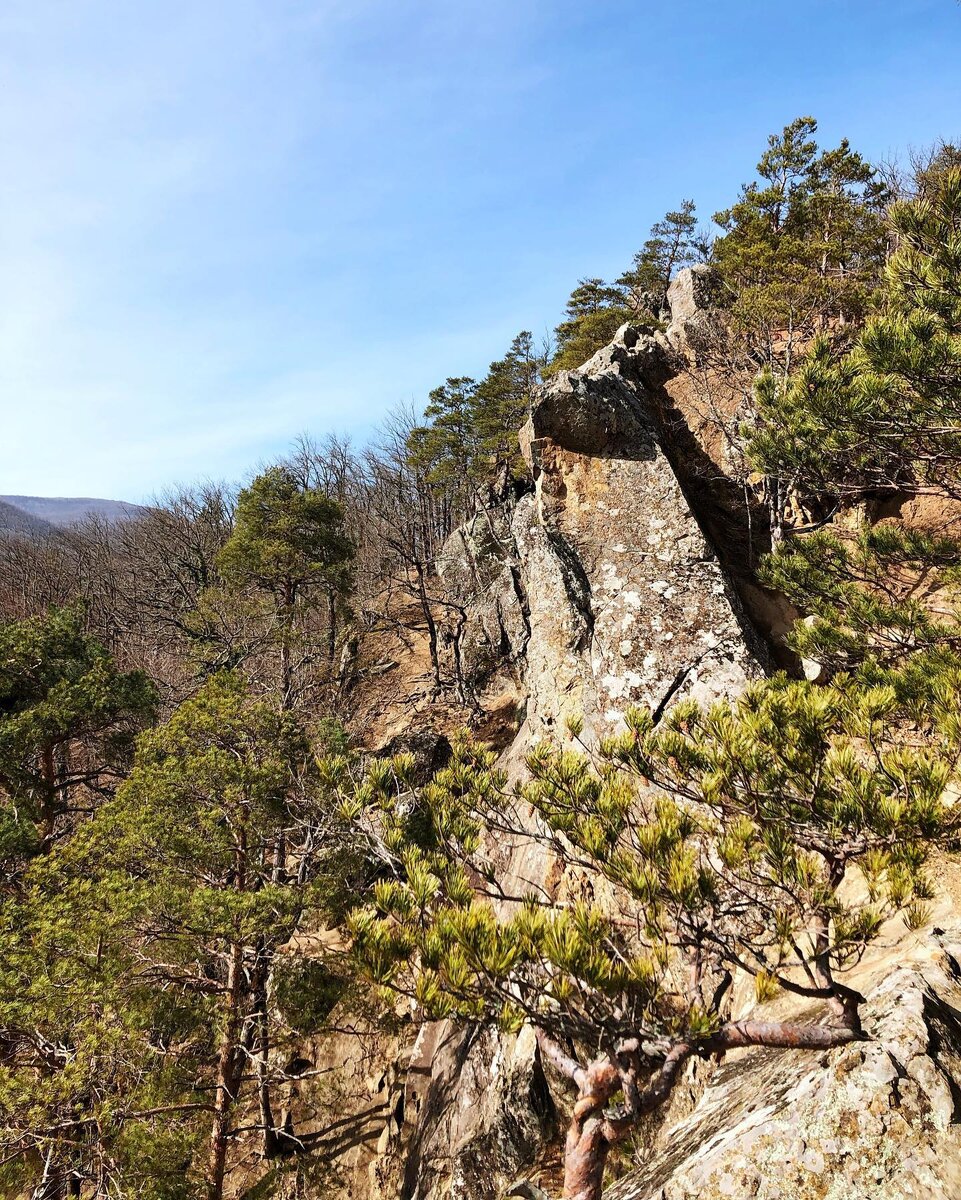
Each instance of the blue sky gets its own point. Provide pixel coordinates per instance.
(226, 222)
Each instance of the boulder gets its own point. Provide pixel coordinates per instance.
(691, 294)
(878, 1119)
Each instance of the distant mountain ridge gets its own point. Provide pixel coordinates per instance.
(49, 512)
(18, 521)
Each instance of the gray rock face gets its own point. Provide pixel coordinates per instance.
(597, 590)
(480, 1106)
(602, 586)
(480, 568)
(692, 292)
(877, 1120)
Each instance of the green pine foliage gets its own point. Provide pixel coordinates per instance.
(68, 718)
(723, 842)
(286, 538)
(446, 448)
(594, 313)
(674, 243)
(136, 969)
(725, 835)
(885, 415)
(469, 434)
(289, 542)
(879, 419)
(503, 402)
(803, 246)
(879, 604)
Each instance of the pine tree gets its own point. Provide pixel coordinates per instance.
(594, 313)
(446, 447)
(154, 937)
(503, 401)
(884, 416)
(879, 604)
(803, 247)
(68, 717)
(289, 542)
(725, 835)
(469, 433)
(673, 243)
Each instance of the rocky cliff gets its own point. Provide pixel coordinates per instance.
(601, 586)
(877, 1120)
(623, 576)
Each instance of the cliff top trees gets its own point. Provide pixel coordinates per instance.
(673, 243)
(594, 313)
(724, 835)
(504, 399)
(469, 433)
(445, 450)
(596, 310)
(803, 246)
(886, 415)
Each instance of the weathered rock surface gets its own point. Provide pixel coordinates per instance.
(878, 1119)
(477, 1105)
(691, 294)
(600, 584)
(480, 567)
(596, 590)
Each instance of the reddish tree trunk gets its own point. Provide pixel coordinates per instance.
(585, 1157)
(592, 1134)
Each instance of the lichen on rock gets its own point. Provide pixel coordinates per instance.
(877, 1119)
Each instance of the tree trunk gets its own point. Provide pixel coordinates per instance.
(272, 1140)
(227, 1081)
(592, 1132)
(47, 814)
(585, 1156)
(286, 635)
(331, 625)
(429, 620)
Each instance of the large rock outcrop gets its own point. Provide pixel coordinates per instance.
(596, 590)
(618, 578)
(600, 587)
(877, 1119)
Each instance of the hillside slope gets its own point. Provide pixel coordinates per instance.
(21, 522)
(61, 511)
